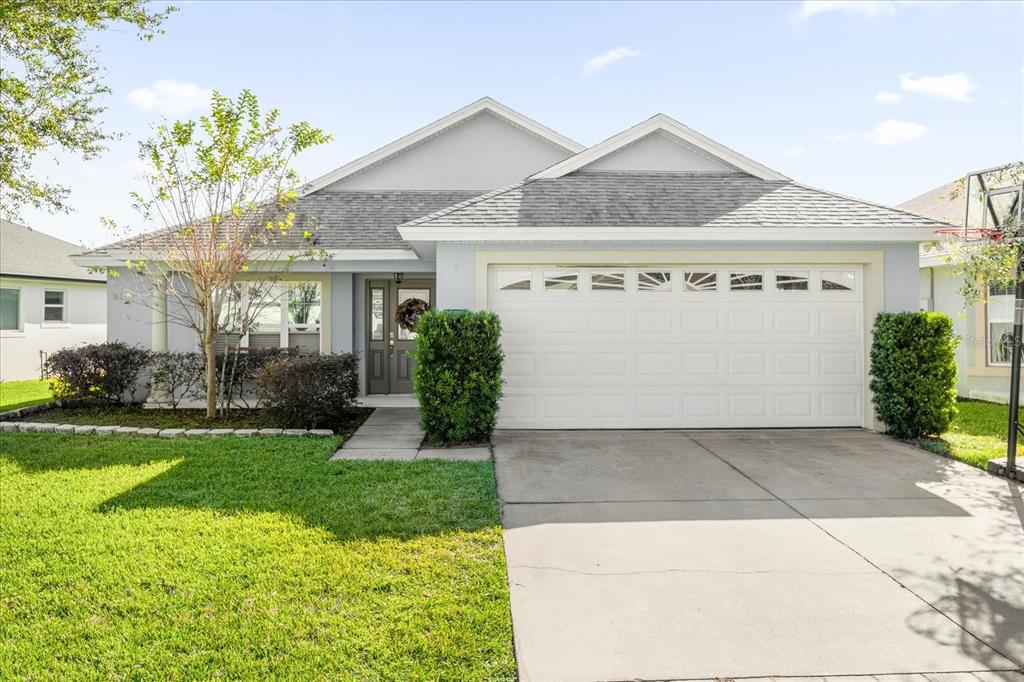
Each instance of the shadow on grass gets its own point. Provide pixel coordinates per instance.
(290, 476)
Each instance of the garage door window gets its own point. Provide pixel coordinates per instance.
(838, 280)
(746, 281)
(560, 280)
(512, 280)
(658, 280)
(792, 281)
(608, 281)
(700, 281)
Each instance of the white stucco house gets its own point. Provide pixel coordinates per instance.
(46, 301)
(656, 279)
(983, 356)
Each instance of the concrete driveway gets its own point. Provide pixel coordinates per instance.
(659, 555)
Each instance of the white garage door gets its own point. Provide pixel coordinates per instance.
(657, 347)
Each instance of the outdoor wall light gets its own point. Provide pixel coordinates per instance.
(399, 276)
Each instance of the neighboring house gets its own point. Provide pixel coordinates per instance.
(656, 279)
(46, 301)
(983, 356)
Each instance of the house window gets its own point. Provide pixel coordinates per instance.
(10, 309)
(746, 281)
(377, 314)
(999, 314)
(287, 315)
(53, 305)
(607, 281)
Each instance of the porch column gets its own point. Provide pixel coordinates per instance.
(158, 394)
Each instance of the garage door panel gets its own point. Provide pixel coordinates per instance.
(673, 358)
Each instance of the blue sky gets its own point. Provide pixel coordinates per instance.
(878, 100)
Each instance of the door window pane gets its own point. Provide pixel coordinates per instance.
(660, 280)
(746, 281)
(408, 295)
(700, 281)
(838, 280)
(560, 280)
(791, 281)
(10, 311)
(512, 280)
(376, 314)
(608, 281)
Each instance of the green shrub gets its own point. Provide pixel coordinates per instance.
(309, 391)
(105, 372)
(457, 377)
(913, 370)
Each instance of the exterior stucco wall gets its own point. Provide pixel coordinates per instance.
(975, 379)
(456, 264)
(482, 153)
(86, 322)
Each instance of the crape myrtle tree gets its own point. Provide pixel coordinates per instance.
(222, 191)
(51, 87)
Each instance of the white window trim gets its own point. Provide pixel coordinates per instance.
(20, 331)
(283, 321)
(55, 324)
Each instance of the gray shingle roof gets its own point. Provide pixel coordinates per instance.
(636, 199)
(347, 219)
(29, 253)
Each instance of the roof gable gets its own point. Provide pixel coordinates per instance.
(479, 147)
(30, 253)
(701, 153)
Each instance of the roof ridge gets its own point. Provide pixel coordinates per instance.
(872, 203)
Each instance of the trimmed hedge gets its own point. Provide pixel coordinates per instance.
(457, 378)
(913, 370)
(105, 372)
(309, 391)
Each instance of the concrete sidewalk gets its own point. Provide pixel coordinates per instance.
(393, 433)
(657, 555)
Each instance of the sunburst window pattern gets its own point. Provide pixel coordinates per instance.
(700, 281)
(512, 280)
(746, 281)
(838, 280)
(658, 280)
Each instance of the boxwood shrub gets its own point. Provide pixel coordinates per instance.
(457, 378)
(308, 390)
(913, 370)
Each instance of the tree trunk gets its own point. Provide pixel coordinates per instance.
(211, 376)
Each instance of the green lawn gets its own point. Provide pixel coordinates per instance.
(15, 394)
(125, 557)
(978, 434)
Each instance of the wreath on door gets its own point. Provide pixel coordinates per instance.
(409, 312)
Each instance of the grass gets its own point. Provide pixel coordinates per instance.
(165, 559)
(978, 434)
(18, 394)
(182, 419)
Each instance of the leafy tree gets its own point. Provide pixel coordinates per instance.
(222, 189)
(50, 84)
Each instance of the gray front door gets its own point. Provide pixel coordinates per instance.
(389, 359)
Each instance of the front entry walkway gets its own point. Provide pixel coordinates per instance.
(656, 555)
(393, 433)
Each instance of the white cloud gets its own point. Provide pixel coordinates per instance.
(838, 138)
(795, 151)
(598, 62)
(888, 97)
(895, 132)
(955, 86)
(867, 8)
(170, 97)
